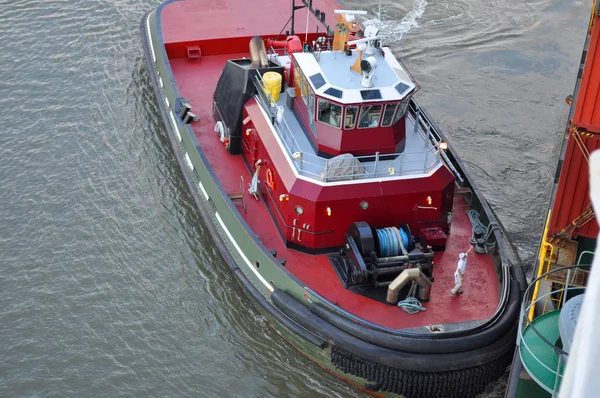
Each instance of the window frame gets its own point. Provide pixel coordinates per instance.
(361, 114)
(402, 106)
(393, 117)
(354, 124)
(331, 104)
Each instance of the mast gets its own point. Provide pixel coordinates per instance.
(316, 12)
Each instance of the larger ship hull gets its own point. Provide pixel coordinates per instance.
(568, 242)
(446, 358)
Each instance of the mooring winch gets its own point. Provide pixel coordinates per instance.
(375, 257)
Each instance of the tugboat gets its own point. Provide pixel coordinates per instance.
(553, 300)
(339, 206)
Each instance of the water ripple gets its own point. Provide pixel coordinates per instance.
(110, 284)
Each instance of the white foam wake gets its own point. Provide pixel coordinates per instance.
(391, 29)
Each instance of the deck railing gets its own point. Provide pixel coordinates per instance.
(368, 166)
(564, 282)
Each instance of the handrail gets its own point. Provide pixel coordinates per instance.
(308, 231)
(432, 135)
(527, 320)
(582, 254)
(369, 164)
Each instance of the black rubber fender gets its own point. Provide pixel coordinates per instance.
(518, 274)
(464, 383)
(435, 343)
(275, 313)
(393, 358)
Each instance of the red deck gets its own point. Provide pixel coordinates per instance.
(218, 24)
(197, 80)
(187, 20)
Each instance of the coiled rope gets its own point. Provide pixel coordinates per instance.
(411, 305)
(480, 233)
(392, 241)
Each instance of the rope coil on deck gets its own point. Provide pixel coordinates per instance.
(411, 305)
(480, 233)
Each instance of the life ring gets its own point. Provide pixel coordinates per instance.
(270, 179)
(226, 143)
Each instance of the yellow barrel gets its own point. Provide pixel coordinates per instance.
(273, 84)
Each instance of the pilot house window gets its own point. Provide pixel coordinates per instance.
(401, 110)
(329, 113)
(369, 116)
(350, 119)
(388, 115)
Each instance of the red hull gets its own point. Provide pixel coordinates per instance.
(481, 291)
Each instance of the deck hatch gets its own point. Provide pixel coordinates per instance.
(401, 87)
(334, 92)
(317, 80)
(371, 94)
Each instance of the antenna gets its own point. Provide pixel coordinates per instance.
(350, 12)
(370, 38)
(366, 45)
(364, 40)
(346, 24)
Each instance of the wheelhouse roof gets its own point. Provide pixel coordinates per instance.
(330, 76)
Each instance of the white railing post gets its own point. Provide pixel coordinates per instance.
(566, 292)
(557, 376)
(417, 116)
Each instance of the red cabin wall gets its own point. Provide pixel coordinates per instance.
(381, 139)
(399, 131)
(334, 141)
(329, 139)
(391, 202)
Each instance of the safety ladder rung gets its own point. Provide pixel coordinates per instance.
(239, 196)
(463, 191)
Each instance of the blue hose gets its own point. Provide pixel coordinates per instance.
(389, 241)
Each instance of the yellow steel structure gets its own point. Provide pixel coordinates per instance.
(544, 262)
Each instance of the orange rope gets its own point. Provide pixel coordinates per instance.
(585, 217)
(580, 144)
(591, 24)
(588, 214)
